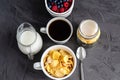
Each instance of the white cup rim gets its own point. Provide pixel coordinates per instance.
(58, 47)
(59, 18)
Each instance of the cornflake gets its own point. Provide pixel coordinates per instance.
(58, 63)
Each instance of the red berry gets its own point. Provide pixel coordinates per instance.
(52, 3)
(66, 9)
(54, 8)
(62, 10)
(70, 1)
(66, 4)
(57, 11)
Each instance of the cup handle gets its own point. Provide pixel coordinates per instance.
(43, 30)
(37, 66)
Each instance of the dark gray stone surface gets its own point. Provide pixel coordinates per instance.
(103, 60)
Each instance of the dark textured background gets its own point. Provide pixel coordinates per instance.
(103, 60)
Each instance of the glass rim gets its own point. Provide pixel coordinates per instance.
(86, 36)
(19, 33)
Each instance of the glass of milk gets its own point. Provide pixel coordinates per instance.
(29, 41)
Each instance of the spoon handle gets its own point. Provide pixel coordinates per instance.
(82, 72)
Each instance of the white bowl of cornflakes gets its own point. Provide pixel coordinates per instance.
(58, 62)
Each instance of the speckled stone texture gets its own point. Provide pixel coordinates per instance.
(103, 59)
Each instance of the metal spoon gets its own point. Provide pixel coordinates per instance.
(81, 54)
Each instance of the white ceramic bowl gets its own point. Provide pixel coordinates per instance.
(40, 65)
(63, 14)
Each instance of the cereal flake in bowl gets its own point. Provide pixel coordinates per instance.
(58, 63)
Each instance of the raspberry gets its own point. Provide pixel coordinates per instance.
(62, 10)
(66, 4)
(66, 9)
(57, 11)
(70, 1)
(54, 8)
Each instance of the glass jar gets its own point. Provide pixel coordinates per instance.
(88, 32)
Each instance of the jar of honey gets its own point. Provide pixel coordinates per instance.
(88, 32)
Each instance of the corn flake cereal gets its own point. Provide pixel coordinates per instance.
(58, 63)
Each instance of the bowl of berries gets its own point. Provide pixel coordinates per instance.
(59, 8)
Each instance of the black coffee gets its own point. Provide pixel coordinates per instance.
(59, 30)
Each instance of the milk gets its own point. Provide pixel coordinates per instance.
(27, 37)
(30, 43)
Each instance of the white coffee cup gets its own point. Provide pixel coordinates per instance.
(58, 29)
(40, 65)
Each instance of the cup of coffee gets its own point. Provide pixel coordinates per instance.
(58, 29)
(58, 62)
